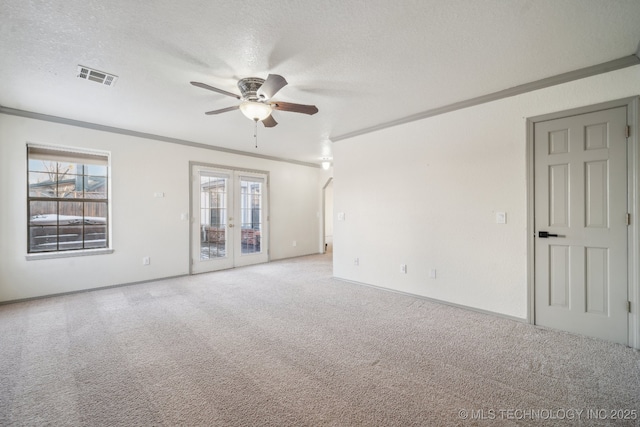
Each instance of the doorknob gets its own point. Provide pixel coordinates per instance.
(545, 234)
(230, 225)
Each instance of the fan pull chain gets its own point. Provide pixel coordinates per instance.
(255, 131)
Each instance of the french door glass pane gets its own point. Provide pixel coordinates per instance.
(213, 216)
(251, 215)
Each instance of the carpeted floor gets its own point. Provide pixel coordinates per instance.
(283, 344)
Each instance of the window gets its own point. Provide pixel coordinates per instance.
(68, 202)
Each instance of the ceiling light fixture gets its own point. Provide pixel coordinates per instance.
(326, 163)
(257, 111)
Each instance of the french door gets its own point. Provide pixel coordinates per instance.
(229, 213)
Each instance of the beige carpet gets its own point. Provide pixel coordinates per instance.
(283, 344)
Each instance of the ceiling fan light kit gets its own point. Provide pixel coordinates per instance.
(256, 94)
(257, 111)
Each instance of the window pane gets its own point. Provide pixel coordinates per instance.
(70, 213)
(95, 236)
(43, 213)
(205, 217)
(70, 187)
(69, 168)
(42, 166)
(95, 213)
(43, 238)
(205, 251)
(95, 187)
(42, 184)
(70, 237)
(215, 217)
(43, 226)
(95, 170)
(250, 241)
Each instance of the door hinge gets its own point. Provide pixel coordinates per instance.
(627, 131)
(628, 306)
(628, 219)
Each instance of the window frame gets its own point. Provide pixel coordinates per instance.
(70, 153)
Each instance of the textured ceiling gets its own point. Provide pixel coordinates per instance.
(362, 63)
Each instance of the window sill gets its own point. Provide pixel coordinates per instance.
(67, 254)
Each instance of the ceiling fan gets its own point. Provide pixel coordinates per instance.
(256, 99)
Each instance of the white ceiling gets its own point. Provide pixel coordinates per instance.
(361, 62)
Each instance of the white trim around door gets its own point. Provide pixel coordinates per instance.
(633, 206)
(229, 211)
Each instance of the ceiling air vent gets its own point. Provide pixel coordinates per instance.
(96, 76)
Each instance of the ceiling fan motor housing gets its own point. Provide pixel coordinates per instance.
(249, 87)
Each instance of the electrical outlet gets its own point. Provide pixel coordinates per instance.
(356, 261)
(146, 260)
(403, 268)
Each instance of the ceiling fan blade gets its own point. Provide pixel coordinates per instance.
(223, 110)
(295, 108)
(215, 89)
(269, 122)
(271, 86)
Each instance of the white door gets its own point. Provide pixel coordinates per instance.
(581, 224)
(229, 219)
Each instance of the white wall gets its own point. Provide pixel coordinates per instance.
(425, 194)
(142, 225)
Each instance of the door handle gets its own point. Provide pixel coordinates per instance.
(545, 234)
(230, 225)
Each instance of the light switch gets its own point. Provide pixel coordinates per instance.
(501, 217)
(340, 216)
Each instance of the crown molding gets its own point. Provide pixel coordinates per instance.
(111, 129)
(605, 67)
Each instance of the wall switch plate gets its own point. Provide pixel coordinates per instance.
(403, 268)
(432, 273)
(146, 260)
(340, 216)
(158, 194)
(294, 244)
(356, 261)
(501, 217)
